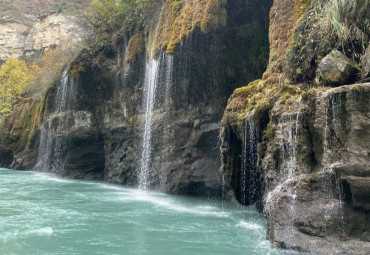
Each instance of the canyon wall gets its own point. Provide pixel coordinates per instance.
(152, 106)
(151, 98)
(297, 149)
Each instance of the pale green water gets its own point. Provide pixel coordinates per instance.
(44, 214)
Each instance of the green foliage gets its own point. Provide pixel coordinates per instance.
(104, 13)
(349, 21)
(107, 16)
(180, 18)
(135, 46)
(76, 70)
(324, 26)
(257, 98)
(48, 67)
(15, 77)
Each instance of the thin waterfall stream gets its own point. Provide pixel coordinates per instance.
(49, 151)
(150, 83)
(249, 179)
(289, 148)
(158, 74)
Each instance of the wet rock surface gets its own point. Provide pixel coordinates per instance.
(313, 161)
(190, 96)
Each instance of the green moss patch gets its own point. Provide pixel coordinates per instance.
(135, 46)
(180, 18)
(258, 97)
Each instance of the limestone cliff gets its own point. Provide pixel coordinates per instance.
(24, 34)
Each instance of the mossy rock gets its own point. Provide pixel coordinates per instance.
(336, 69)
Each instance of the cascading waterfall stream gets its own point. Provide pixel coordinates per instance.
(243, 174)
(155, 68)
(61, 96)
(249, 178)
(168, 80)
(290, 149)
(62, 101)
(151, 78)
(331, 139)
(152, 66)
(168, 83)
(50, 150)
(45, 148)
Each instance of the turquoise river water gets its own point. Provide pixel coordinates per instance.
(44, 214)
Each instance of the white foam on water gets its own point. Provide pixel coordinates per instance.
(112, 187)
(250, 226)
(170, 204)
(47, 231)
(264, 247)
(49, 177)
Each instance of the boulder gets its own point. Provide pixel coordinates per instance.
(336, 69)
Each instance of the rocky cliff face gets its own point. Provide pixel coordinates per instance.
(24, 38)
(313, 154)
(299, 151)
(313, 165)
(146, 108)
(94, 125)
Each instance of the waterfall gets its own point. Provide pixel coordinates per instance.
(150, 84)
(249, 176)
(50, 150)
(289, 148)
(158, 79)
(331, 140)
(45, 148)
(168, 79)
(243, 173)
(61, 96)
(168, 89)
(167, 61)
(65, 97)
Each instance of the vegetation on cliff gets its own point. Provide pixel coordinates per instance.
(180, 18)
(15, 77)
(301, 36)
(108, 16)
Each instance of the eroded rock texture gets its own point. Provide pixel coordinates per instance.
(25, 38)
(311, 171)
(192, 87)
(313, 160)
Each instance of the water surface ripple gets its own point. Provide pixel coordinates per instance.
(44, 214)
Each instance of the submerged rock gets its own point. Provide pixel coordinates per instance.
(336, 69)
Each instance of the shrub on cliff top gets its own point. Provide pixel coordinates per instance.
(107, 16)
